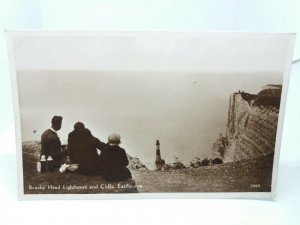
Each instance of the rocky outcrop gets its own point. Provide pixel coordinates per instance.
(251, 127)
(135, 163)
(171, 166)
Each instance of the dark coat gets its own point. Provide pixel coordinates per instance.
(51, 145)
(83, 146)
(113, 160)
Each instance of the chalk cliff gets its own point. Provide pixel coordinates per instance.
(251, 127)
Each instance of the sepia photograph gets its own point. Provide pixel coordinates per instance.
(148, 112)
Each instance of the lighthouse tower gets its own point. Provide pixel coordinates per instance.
(158, 159)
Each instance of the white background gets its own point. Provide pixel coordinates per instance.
(213, 15)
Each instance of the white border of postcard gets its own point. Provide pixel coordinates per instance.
(247, 195)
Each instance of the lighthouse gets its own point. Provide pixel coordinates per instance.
(158, 159)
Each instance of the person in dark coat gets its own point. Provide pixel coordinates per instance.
(51, 146)
(83, 149)
(114, 161)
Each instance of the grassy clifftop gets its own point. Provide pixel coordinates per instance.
(268, 97)
(243, 176)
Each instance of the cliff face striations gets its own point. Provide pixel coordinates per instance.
(251, 127)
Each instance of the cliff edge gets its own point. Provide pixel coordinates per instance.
(251, 126)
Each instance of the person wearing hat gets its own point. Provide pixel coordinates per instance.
(83, 147)
(51, 148)
(114, 161)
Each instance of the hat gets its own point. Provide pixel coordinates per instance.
(56, 120)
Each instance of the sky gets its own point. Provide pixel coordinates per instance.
(174, 88)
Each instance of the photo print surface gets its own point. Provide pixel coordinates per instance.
(149, 112)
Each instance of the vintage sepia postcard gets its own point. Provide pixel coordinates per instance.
(148, 114)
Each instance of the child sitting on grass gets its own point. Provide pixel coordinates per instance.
(113, 160)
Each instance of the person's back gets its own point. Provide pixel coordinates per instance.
(113, 160)
(83, 147)
(51, 148)
(50, 144)
(76, 144)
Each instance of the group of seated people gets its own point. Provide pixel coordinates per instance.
(82, 151)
